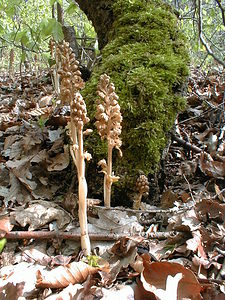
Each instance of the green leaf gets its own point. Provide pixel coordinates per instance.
(57, 32)
(2, 29)
(53, 28)
(2, 244)
(22, 37)
(52, 2)
(45, 27)
(46, 56)
(71, 9)
(10, 11)
(11, 7)
(25, 39)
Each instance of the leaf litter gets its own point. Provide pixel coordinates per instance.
(173, 251)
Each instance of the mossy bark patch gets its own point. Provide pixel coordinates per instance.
(146, 58)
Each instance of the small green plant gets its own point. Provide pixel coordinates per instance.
(93, 260)
(3, 241)
(41, 122)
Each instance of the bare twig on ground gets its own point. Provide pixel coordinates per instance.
(189, 187)
(151, 211)
(42, 235)
(186, 144)
(210, 280)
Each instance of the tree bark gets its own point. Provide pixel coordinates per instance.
(70, 37)
(101, 14)
(145, 54)
(60, 16)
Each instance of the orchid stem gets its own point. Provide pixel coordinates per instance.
(137, 201)
(82, 193)
(108, 180)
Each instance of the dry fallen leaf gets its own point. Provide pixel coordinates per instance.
(5, 224)
(40, 213)
(156, 274)
(35, 256)
(141, 293)
(45, 101)
(60, 161)
(195, 244)
(120, 222)
(21, 273)
(210, 209)
(219, 193)
(120, 291)
(21, 169)
(171, 288)
(124, 246)
(62, 276)
(168, 198)
(70, 292)
(11, 291)
(17, 192)
(211, 168)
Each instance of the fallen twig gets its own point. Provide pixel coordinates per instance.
(189, 187)
(16, 235)
(210, 280)
(134, 211)
(186, 144)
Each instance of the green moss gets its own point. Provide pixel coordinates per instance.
(147, 60)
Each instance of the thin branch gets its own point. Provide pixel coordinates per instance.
(134, 211)
(210, 280)
(222, 10)
(189, 187)
(23, 48)
(33, 37)
(43, 235)
(185, 144)
(202, 39)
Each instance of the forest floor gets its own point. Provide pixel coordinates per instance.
(173, 251)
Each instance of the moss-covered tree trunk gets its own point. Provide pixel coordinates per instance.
(144, 53)
(100, 12)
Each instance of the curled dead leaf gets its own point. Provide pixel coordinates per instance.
(62, 276)
(157, 276)
(211, 168)
(125, 245)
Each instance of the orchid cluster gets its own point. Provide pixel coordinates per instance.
(109, 127)
(71, 84)
(142, 187)
(70, 76)
(108, 124)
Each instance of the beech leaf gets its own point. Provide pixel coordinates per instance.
(62, 276)
(155, 277)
